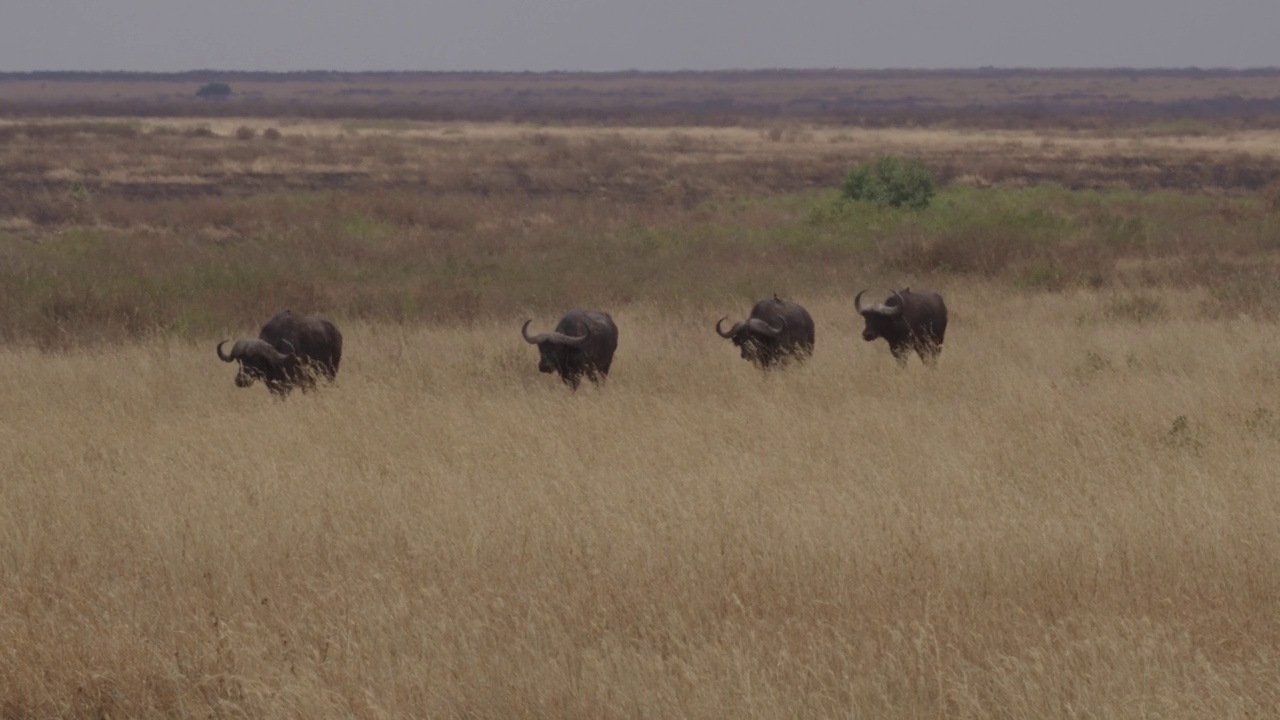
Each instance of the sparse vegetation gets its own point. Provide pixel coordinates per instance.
(190, 230)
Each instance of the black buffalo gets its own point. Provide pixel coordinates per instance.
(582, 344)
(777, 331)
(291, 351)
(908, 320)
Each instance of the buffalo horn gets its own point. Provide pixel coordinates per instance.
(737, 327)
(562, 339)
(761, 327)
(223, 357)
(524, 330)
(556, 337)
(259, 348)
(878, 308)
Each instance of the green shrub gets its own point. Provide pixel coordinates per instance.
(890, 181)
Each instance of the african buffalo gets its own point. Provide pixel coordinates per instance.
(290, 352)
(777, 331)
(909, 320)
(582, 344)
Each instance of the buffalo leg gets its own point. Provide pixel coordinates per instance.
(901, 353)
(929, 353)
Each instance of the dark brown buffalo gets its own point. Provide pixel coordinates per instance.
(777, 331)
(908, 320)
(291, 351)
(582, 344)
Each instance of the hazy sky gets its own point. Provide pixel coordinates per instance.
(601, 35)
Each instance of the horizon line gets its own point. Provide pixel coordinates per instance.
(686, 71)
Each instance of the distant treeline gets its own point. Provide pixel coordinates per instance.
(209, 75)
(978, 97)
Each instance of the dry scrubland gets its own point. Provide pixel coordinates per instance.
(118, 230)
(1075, 515)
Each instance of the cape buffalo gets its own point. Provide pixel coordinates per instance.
(290, 352)
(582, 344)
(777, 331)
(909, 320)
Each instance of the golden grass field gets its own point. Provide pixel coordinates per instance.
(1074, 515)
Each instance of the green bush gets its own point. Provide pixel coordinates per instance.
(890, 181)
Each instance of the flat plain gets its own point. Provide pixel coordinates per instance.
(1074, 515)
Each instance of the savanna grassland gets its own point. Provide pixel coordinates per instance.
(1077, 514)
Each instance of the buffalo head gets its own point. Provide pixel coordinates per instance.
(258, 361)
(754, 337)
(881, 318)
(552, 346)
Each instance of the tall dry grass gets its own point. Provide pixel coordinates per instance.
(1074, 516)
